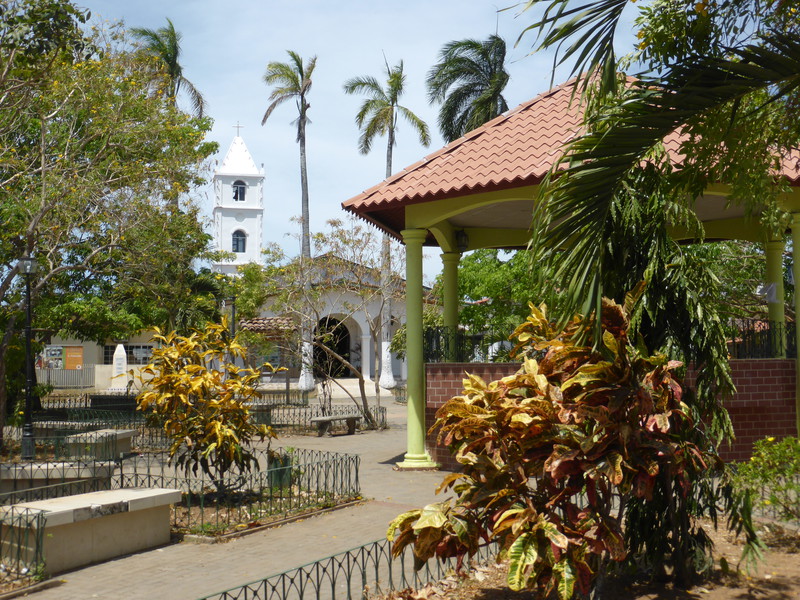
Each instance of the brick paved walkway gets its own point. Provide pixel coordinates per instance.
(188, 571)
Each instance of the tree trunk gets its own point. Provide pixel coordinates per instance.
(386, 376)
(365, 411)
(7, 335)
(306, 235)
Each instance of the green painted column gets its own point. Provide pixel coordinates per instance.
(775, 296)
(450, 275)
(796, 274)
(416, 457)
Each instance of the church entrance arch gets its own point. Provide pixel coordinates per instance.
(335, 335)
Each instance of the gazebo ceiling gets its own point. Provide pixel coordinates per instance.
(484, 183)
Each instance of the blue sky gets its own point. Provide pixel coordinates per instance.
(227, 45)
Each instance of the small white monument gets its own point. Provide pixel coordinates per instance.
(119, 371)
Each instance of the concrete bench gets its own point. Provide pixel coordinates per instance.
(22, 476)
(89, 528)
(324, 423)
(103, 444)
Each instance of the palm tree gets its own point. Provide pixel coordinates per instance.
(378, 115)
(292, 81)
(468, 81)
(164, 44)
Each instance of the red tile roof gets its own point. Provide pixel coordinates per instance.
(272, 327)
(513, 150)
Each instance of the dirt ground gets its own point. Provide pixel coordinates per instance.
(776, 578)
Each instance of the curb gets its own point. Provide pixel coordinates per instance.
(31, 589)
(220, 539)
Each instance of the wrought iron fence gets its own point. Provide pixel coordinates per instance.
(291, 419)
(21, 544)
(754, 338)
(288, 481)
(357, 574)
(49, 426)
(59, 462)
(70, 416)
(444, 344)
(282, 397)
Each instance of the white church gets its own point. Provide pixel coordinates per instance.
(238, 228)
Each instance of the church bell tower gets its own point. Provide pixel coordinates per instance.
(238, 208)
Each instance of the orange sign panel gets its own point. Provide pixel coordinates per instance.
(73, 357)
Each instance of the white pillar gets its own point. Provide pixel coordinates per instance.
(306, 380)
(367, 355)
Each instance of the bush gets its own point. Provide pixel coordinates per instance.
(200, 396)
(586, 458)
(772, 476)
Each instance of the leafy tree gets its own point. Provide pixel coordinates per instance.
(725, 78)
(559, 459)
(341, 282)
(200, 396)
(292, 81)
(468, 81)
(378, 115)
(154, 287)
(494, 289)
(164, 45)
(90, 164)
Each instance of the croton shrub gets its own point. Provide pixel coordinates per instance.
(197, 393)
(557, 456)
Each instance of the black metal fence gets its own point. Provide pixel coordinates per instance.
(444, 344)
(21, 544)
(290, 481)
(357, 574)
(747, 338)
(287, 481)
(296, 419)
(754, 338)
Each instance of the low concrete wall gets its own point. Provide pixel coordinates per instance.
(764, 404)
(89, 528)
(22, 476)
(103, 444)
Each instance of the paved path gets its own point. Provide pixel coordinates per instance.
(188, 571)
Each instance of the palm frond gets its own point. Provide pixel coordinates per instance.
(468, 81)
(576, 200)
(592, 26)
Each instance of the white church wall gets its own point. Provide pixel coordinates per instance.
(231, 214)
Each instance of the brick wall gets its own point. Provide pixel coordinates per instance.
(443, 382)
(764, 403)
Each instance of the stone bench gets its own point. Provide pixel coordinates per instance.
(103, 444)
(22, 476)
(324, 423)
(89, 528)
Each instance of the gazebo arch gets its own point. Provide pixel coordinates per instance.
(478, 192)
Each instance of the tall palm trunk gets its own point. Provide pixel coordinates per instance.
(306, 382)
(306, 235)
(386, 378)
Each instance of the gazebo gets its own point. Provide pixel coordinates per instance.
(478, 192)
